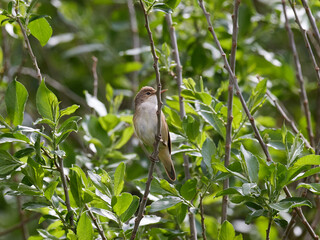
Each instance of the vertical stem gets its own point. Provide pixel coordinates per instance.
(311, 20)
(303, 93)
(154, 155)
(94, 219)
(6, 55)
(268, 229)
(95, 79)
(203, 226)
(230, 106)
(175, 52)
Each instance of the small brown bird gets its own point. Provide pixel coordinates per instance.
(145, 124)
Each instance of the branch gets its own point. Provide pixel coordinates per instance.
(230, 106)
(155, 152)
(95, 79)
(66, 193)
(306, 41)
(303, 93)
(203, 226)
(235, 83)
(134, 29)
(311, 20)
(268, 228)
(19, 225)
(26, 39)
(94, 219)
(186, 164)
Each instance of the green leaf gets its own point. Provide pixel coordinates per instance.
(312, 187)
(164, 203)
(76, 186)
(295, 150)
(48, 193)
(168, 187)
(84, 228)
(98, 182)
(173, 3)
(47, 103)
(191, 127)
(252, 164)
(131, 209)
(125, 137)
(41, 30)
(208, 150)
(181, 212)
(308, 160)
(69, 110)
(228, 191)
(16, 98)
(121, 203)
(227, 231)
(34, 172)
(189, 189)
(8, 163)
(296, 176)
(162, 7)
(289, 203)
(119, 179)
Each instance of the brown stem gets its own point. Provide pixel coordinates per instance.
(268, 229)
(203, 226)
(175, 52)
(303, 93)
(155, 152)
(230, 106)
(6, 55)
(95, 222)
(311, 20)
(66, 193)
(26, 39)
(235, 83)
(95, 79)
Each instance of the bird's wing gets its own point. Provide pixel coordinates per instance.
(165, 135)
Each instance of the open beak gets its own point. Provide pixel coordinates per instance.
(164, 90)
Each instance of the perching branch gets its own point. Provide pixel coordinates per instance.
(250, 117)
(303, 93)
(175, 52)
(230, 106)
(311, 20)
(268, 229)
(26, 39)
(235, 83)
(155, 152)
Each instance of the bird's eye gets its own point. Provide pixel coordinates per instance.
(148, 93)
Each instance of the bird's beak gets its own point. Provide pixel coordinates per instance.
(164, 90)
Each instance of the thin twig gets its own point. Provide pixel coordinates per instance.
(94, 219)
(314, 42)
(203, 226)
(155, 152)
(311, 20)
(26, 39)
(250, 117)
(288, 119)
(230, 106)
(95, 79)
(175, 52)
(268, 229)
(235, 83)
(306, 41)
(303, 93)
(66, 193)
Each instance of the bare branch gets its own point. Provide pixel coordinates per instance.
(95, 222)
(203, 226)
(230, 106)
(155, 152)
(311, 20)
(303, 94)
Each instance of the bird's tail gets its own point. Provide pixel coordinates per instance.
(166, 160)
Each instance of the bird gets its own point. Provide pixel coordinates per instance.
(145, 124)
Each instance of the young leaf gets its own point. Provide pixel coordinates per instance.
(168, 187)
(16, 98)
(227, 231)
(189, 189)
(131, 209)
(121, 203)
(41, 30)
(252, 164)
(84, 228)
(119, 179)
(289, 203)
(312, 187)
(47, 103)
(308, 160)
(191, 127)
(7, 163)
(208, 149)
(164, 203)
(69, 110)
(48, 193)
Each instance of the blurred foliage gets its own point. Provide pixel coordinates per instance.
(104, 165)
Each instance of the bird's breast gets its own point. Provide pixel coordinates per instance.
(145, 123)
